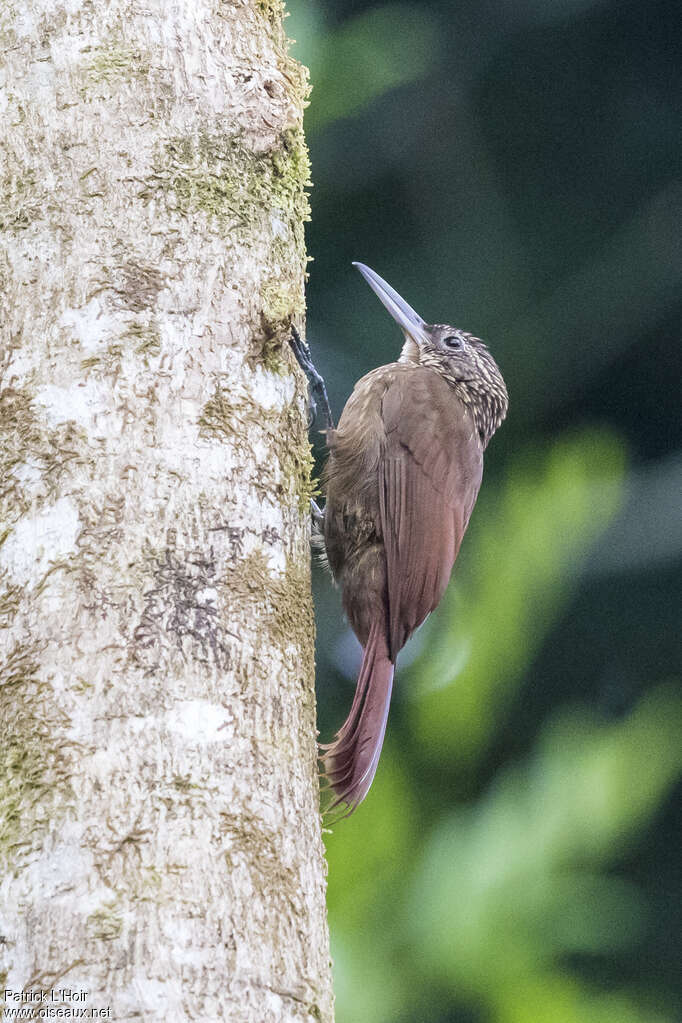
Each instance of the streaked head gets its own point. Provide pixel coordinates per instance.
(464, 360)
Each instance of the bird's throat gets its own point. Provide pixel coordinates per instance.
(410, 352)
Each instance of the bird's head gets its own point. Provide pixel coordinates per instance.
(464, 360)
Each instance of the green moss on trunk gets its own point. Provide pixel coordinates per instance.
(285, 433)
(34, 770)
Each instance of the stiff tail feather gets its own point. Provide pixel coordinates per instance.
(350, 762)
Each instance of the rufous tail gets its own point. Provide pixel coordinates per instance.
(350, 762)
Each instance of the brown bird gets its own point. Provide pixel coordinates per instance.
(404, 469)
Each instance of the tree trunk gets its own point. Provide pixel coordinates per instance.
(159, 827)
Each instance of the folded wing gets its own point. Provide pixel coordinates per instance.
(432, 469)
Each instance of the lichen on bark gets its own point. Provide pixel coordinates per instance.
(160, 834)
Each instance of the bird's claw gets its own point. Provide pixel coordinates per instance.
(301, 350)
(317, 514)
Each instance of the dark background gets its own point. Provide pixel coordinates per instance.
(514, 169)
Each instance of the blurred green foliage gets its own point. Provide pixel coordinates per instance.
(514, 168)
(365, 57)
(509, 886)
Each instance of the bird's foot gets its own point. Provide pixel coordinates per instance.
(317, 515)
(318, 389)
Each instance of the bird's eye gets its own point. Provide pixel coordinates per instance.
(452, 342)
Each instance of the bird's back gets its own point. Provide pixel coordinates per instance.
(402, 477)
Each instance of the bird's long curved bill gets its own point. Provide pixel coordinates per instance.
(402, 313)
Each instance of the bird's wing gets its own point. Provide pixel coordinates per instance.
(432, 469)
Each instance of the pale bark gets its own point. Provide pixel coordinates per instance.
(159, 832)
